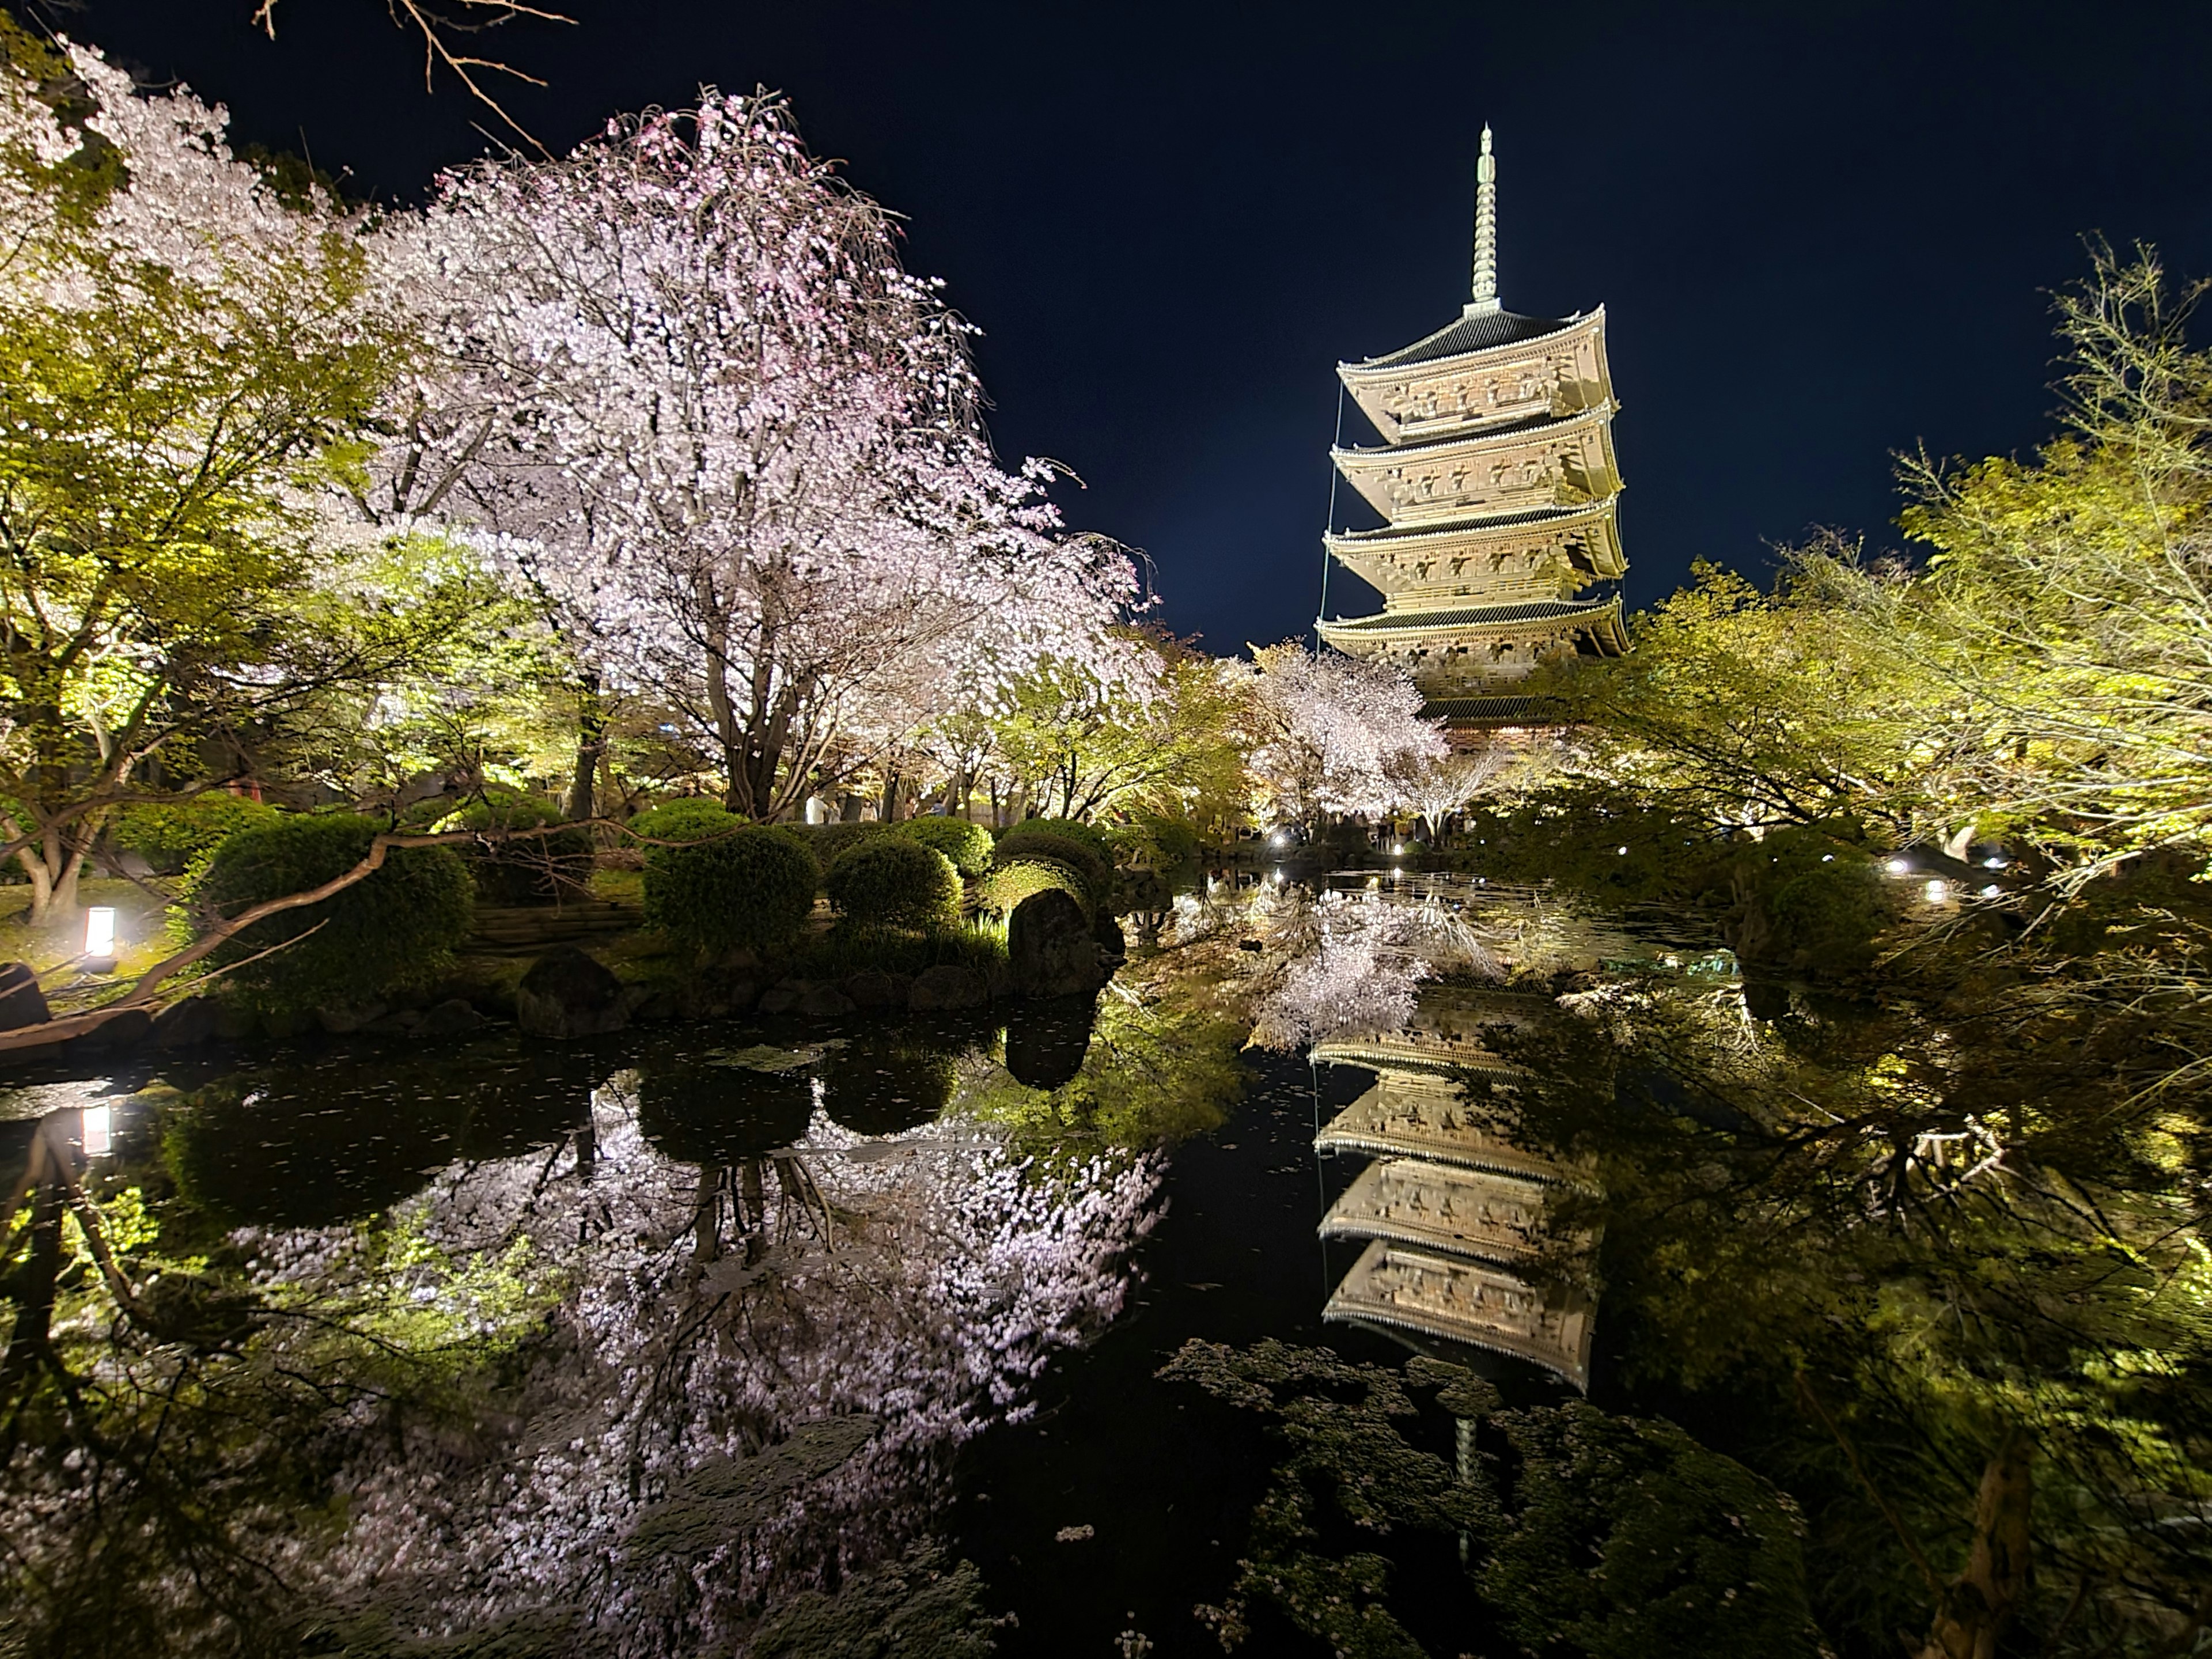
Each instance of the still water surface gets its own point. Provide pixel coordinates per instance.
(703, 1339)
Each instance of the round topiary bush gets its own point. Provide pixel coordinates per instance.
(1017, 878)
(534, 870)
(683, 820)
(829, 841)
(894, 882)
(750, 888)
(1026, 843)
(1099, 841)
(394, 928)
(968, 845)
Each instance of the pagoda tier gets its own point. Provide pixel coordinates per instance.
(1398, 1287)
(1489, 368)
(1543, 463)
(1440, 1206)
(1409, 1114)
(1499, 489)
(1549, 552)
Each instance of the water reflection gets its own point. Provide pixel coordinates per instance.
(593, 1347)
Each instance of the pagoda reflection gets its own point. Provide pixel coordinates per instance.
(1454, 1212)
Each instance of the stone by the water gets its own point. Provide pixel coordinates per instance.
(947, 987)
(22, 1002)
(567, 994)
(1049, 944)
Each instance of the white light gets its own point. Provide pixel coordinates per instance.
(1621, 851)
(1900, 866)
(1993, 864)
(1278, 838)
(1398, 851)
(1827, 857)
(1993, 891)
(99, 932)
(97, 1131)
(1937, 891)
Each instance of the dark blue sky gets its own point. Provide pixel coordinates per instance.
(1824, 233)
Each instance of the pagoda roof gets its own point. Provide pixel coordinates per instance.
(1525, 518)
(1476, 329)
(1471, 711)
(1402, 1287)
(1416, 621)
(1441, 1206)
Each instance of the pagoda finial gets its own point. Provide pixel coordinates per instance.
(1486, 229)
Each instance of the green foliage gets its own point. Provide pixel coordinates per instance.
(535, 870)
(829, 840)
(750, 888)
(1091, 868)
(892, 882)
(968, 845)
(1098, 842)
(688, 819)
(1154, 841)
(1810, 903)
(395, 928)
(1602, 1535)
(1017, 879)
(841, 951)
(169, 837)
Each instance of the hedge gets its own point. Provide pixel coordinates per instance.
(751, 888)
(1026, 841)
(1020, 877)
(537, 870)
(831, 840)
(1089, 835)
(392, 930)
(683, 820)
(894, 882)
(968, 845)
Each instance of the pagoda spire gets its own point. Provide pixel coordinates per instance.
(1486, 230)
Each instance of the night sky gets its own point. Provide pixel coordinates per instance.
(1823, 233)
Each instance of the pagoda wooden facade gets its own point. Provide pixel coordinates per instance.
(1499, 490)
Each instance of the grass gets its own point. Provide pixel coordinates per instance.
(138, 927)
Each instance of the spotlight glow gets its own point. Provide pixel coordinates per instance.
(1938, 893)
(99, 934)
(97, 1131)
(1899, 866)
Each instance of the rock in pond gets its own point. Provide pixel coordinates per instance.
(1049, 944)
(825, 1002)
(948, 987)
(783, 997)
(185, 1024)
(874, 990)
(567, 994)
(22, 1002)
(450, 1018)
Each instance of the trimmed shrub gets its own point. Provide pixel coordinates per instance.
(390, 931)
(967, 845)
(1154, 842)
(1099, 842)
(895, 882)
(1017, 878)
(831, 840)
(1097, 873)
(683, 820)
(535, 871)
(750, 888)
(169, 837)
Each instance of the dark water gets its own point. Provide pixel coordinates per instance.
(499, 1337)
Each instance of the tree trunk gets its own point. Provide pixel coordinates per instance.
(590, 745)
(1979, 1603)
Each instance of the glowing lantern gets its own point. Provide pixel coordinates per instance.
(98, 1129)
(100, 934)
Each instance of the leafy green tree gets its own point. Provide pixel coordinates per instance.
(194, 355)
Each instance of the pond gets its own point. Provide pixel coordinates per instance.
(789, 1337)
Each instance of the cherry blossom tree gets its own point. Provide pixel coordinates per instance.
(1334, 730)
(694, 402)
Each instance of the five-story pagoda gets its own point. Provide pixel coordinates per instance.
(1499, 490)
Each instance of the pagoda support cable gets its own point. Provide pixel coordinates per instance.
(1329, 528)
